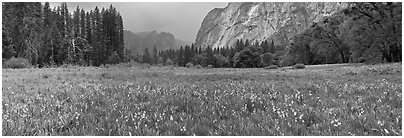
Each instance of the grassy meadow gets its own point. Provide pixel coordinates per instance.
(345, 99)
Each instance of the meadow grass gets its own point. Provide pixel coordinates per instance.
(135, 100)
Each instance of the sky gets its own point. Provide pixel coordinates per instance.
(182, 19)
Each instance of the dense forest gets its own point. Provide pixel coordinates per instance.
(46, 36)
(367, 32)
(363, 33)
(243, 55)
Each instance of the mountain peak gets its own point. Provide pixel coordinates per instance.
(137, 42)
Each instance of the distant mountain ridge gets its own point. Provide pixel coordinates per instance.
(137, 42)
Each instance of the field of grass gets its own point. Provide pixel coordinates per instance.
(141, 100)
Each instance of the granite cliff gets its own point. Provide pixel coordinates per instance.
(278, 21)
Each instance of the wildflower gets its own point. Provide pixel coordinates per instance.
(183, 129)
(385, 130)
(301, 116)
(336, 122)
(380, 122)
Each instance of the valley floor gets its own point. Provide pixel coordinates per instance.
(344, 99)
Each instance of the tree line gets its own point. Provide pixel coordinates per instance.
(242, 55)
(46, 36)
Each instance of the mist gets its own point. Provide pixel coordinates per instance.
(182, 19)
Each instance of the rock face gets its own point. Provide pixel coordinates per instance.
(137, 42)
(276, 21)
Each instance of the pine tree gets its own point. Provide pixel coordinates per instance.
(187, 54)
(193, 51)
(32, 32)
(83, 24)
(76, 22)
(55, 42)
(180, 57)
(47, 15)
(96, 36)
(121, 45)
(146, 56)
(88, 28)
(47, 46)
(272, 48)
(155, 55)
(105, 41)
(265, 46)
(239, 45)
(66, 51)
(246, 43)
(209, 55)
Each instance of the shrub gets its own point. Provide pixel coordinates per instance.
(16, 63)
(351, 73)
(299, 66)
(108, 65)
(248, 58)
(287, 60)
(114, 58)
(46, 76)
(160, 60)
(198, 66)
(266, 59)
(133, 63)
(105, 75)
(145, 66)
(221, 61)
(189, 65)
(209, 66)
(127, 64)
(271, 67)
(361, 60)
(169, 62)
(200, 59)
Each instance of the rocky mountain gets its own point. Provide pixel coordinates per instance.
(277, 21)
(137, 42)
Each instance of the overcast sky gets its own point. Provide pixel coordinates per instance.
(182, 19)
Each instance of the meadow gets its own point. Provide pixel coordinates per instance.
(126, 99)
